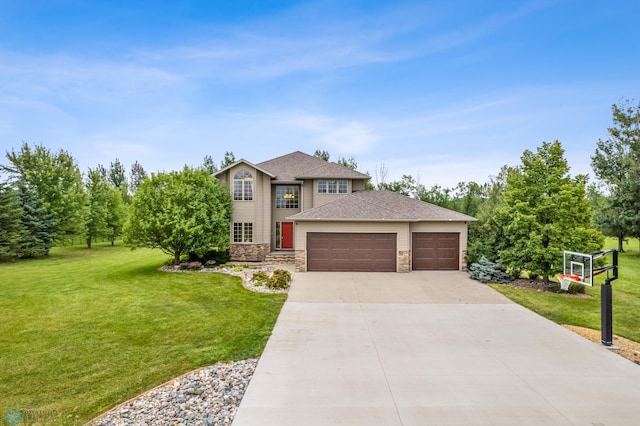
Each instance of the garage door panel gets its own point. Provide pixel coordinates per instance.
(357, 252)
(435, 251)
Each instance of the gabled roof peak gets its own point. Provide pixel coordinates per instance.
(299, 165)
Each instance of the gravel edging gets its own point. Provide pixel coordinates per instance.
(204, 397)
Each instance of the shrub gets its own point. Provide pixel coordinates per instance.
(260, 278)
(279, 279)
(575, 288)
(489, 272)
(220, 257)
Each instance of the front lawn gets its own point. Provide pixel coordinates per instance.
(82, 330)
(585, 312)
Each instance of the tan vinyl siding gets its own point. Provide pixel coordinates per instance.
(307, 194)
(400, 228)
(322, 199)
(256, 211)
(357, 185)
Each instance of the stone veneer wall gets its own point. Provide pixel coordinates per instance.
(464, 260)
(404, 260)
(249, 252)
(301, 261)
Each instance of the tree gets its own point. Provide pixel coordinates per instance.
(209, 165)
(98, 192)
(57, 182)
(12, 231)
(117, 174)
(323, 155)
(137, 175)
(616, 163)
(180, 212)
(545, 212)
(229, 159)
(37, 222)
(348, 162)
(116, 214)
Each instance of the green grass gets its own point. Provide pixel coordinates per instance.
(83, 330)
(565, 309)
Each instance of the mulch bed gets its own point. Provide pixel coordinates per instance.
(539, 285)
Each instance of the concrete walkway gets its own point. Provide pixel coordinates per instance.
(429, 348)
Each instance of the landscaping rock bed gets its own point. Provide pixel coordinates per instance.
(241, 270)
(205, 397)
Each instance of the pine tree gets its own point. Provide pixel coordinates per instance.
(38, 224)
(11, 229)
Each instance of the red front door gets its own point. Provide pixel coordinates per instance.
(287, 235)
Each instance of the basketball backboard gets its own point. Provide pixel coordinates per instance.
(580, 265)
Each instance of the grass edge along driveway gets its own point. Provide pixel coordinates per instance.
(82, 330)
(585, 312)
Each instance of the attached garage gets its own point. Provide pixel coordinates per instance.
(352, 252)
(435, 251)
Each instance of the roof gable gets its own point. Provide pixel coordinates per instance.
(243, 161)
(299, 165)
(381, 206)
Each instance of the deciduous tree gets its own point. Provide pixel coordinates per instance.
(616, 163)
(180, 212)
(545, 212)
(57, 182)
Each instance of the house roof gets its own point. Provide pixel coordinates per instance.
(298, 165)
(242, 160)
(381, 206)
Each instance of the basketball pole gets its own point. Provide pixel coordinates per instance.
(606, 300)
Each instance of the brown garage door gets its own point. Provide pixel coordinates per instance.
(435, 251)
(351, 252)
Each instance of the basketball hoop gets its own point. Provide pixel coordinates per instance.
(566, 279)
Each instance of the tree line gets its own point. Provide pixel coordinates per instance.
(45, 200)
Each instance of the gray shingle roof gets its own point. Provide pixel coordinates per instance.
(380, 206)
(299, 165)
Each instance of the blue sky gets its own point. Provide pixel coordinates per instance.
(446, 91)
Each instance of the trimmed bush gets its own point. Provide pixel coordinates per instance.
(279, 279)
(260, 278)
(489, 272)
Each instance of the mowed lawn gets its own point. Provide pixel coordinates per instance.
(585, 312)
(82, 330)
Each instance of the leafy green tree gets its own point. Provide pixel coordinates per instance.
(486, 236)
(117, 175)
(179, 213)
(137, 175)
(57, 181)
(348, 162)
(11, 229)
(38, 224)
(545, 211)
(98, 191)
(616, 163)
(116, 214)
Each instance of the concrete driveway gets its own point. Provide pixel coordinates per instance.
(429, 348)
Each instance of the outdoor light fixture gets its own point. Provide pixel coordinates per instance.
(289, 196)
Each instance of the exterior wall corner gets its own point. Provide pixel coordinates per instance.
(301, 261)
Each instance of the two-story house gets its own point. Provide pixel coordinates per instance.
(321, 212)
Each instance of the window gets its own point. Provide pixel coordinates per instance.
(243, 186)
(332, 186)
(242, 232)
(287, 197)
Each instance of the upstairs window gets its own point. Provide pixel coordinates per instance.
(287, 197)
(332, 186)
(243, 186)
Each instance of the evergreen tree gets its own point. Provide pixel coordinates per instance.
(137, 175)
(229, 159)
(38, 224)
(11, 229)
(209, 165)
(545, 212)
